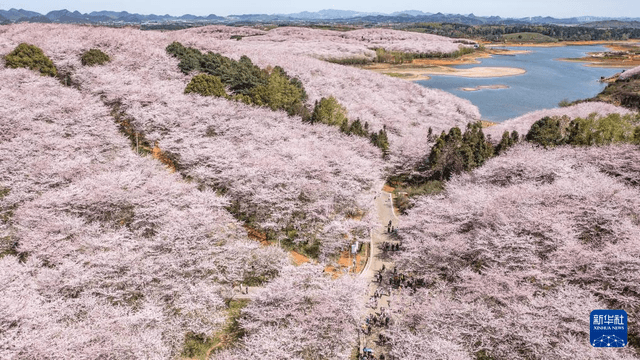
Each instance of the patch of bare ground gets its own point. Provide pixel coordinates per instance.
(298, 258)
(486, 124)
(163, 157)
(387, 188)
(257, 235)
(346, 262)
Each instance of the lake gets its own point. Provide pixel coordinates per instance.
(546, 83)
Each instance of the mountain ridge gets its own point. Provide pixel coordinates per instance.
(338, 16)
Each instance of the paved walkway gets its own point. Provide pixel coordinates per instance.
(378, 258)
(384, 207)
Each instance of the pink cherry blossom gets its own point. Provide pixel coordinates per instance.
(629, 73)
(517, 253)
(104, 253)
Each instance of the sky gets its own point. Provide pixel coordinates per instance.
(504, 8)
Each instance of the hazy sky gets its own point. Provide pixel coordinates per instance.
(505, 8)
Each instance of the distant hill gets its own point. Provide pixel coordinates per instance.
(613, 24)
(528, 37)
(322, 16)
(111, 14)
(14, 14)
(327, 15)
(410, 13)
(75, 17)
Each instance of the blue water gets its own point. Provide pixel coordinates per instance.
(546, 83)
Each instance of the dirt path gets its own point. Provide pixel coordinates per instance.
(245, 293)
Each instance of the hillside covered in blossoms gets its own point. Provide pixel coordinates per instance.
(519, 252)
(144, 175)
(98, 242)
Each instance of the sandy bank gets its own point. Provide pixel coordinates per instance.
(619, 56)
(487, 123)
(406, 74)
(609, 63)
(485, 87)
(422, 73)
(474, 72)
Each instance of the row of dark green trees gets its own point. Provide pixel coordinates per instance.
(495, 32)
(400, 57)
(243, 81)
(455, 152)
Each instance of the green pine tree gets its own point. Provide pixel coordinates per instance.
(30, 57)
(206, 85)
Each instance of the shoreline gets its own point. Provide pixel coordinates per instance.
(423, 73)
(625, 61)
(487, 123)
(618, 56)
(589, 62)
(420, 69)
(468, 58)
(475, 72)
(485, 87)
(566, 43)
(423, 69)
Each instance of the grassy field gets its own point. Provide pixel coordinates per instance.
(528, 37)
(198, 347)
(398, 75)
(405, 191)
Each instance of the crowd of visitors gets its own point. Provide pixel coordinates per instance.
(369, 355)
(389, 246)
(376, 319)
(402, 281)
(379, 319)
(390, 228)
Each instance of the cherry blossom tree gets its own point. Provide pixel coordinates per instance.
(630, 73)
(104, 253)
(278, 172)
(303, 314)
(517, 253)
(407, 110)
